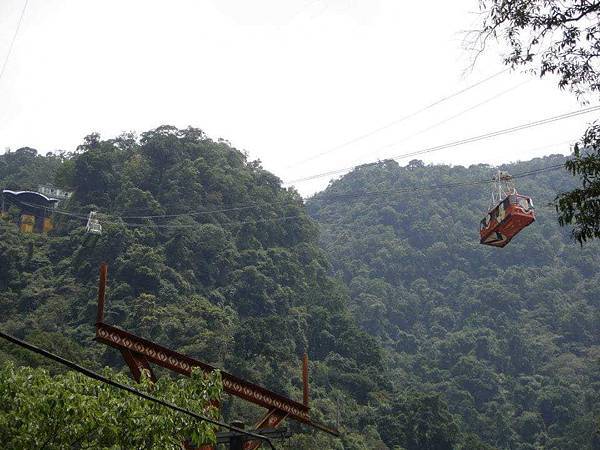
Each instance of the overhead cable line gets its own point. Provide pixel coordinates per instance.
(408, 137)
(460, 142)
(351, 195)
(354, 195)
(61, 212)
(101, 378)
(155, 225)
(450, 118)
(325, 197)
(14, 38)
(397, 121)
(328, 196)
(239, 207)
(196, 213)
(225, 224)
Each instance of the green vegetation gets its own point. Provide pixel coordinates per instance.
(38, 410)
(24, 169)
(510, 336)
(418, 336)
(235, 288)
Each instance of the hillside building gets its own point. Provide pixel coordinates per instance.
(53, 192)
(35, 210)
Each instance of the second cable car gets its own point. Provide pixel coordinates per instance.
(93, 230)
(510, 212)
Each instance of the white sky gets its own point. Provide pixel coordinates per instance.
(283, 80)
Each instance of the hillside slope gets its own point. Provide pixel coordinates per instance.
(234, 288)
(209, 255)
(510, 336)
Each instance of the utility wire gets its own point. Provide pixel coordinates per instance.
(240, 207)
(448, 119)
(397, 121)
(45, 208)
(14, 38)
(494, 97)
(413, 135)
(352, 195)
(156, 216)
(197, 213)
(225, 224)
(325, 197)
(115, 217)
(96, 376)
(154, 225)
(469, 140)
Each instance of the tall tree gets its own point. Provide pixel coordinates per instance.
(561, 38)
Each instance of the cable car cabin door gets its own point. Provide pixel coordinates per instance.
(506, 220)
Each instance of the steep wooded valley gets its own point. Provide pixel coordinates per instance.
(419, 337)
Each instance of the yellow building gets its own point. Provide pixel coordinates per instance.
(35, 210)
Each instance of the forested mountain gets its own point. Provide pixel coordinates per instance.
(511, 337)
(419, 337)
(246, 288)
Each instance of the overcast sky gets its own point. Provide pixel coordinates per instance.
(282, 80)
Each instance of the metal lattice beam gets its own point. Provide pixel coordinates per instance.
(138, 353)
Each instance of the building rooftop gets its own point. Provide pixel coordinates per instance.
(29, 196)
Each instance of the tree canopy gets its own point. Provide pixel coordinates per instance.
(68, 410)
(207, 255)
(509, 336)
(418, 336)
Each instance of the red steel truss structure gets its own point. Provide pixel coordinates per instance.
(139, 353)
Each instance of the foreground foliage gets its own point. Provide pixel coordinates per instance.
(69, 410)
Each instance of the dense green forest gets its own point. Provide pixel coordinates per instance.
(71, 411)
(242, 289)
(418, 336)
(511, 337)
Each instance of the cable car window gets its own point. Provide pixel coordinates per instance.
(524, 203)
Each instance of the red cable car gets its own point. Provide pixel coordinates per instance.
(510, 213)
